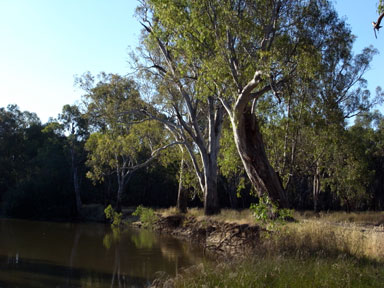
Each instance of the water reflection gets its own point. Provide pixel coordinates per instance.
(44, 254)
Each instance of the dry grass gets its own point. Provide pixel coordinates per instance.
(281, 272)
(226, 215)
(319, 250)
(317, 237)
(361, 218)
(355, 234)
(245, 216)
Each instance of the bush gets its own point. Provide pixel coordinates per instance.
(113, 216)
(147, 216)
(268, 213)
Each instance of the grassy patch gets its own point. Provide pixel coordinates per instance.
(361, 218)
(147, 216)
(280, 271)
(319, 250)
(321, 238)
(355, 234)
(226, 215)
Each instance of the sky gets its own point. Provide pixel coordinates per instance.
(45, 43)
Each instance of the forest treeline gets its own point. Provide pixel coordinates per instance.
(229, 101)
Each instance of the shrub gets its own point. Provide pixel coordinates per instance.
(147, 216)
(113, 216)
(268, 213)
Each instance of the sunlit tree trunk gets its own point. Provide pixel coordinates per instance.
(181, 194)
(250, 144)
(211, 197)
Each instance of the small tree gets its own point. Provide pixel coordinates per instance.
(122, 155)
(123, 142)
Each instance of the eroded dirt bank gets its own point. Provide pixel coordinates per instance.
(217, 237)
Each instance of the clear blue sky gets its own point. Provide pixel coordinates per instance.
(44, 43)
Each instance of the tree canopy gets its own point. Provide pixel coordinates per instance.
(229, 98)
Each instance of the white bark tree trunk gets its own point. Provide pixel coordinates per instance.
(181, 193)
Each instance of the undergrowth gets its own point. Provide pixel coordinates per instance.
(113, 216)
(361, 218)
(334, 249)
(317, 237)
(147, 216)
(278, 271)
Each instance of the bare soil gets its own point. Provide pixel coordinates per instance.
(218, 237)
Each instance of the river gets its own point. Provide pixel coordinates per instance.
(50, 254)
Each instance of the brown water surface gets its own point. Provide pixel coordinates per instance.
(49, 254)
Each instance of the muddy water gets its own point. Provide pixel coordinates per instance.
(47, 254)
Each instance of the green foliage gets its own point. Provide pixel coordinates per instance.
(268, 213)
(16, 145)
(147, 216)
(305, 128)
(229, 161)
(34, 168)
(216, 47)
(380, 7)
(124, 139)
(113, 216)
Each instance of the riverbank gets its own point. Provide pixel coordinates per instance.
(227, 239)
(279, 271)
(231, 232)
(318, 250)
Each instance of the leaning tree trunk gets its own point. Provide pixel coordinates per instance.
(250, 146)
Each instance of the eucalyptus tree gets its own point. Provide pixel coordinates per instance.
(11, 147)
(122, 142)
(378, 138)
(238, 53)
(231, 167)
(75, 125)
(303, 143)
(122, 154)
(14, 149)
(194, 114)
